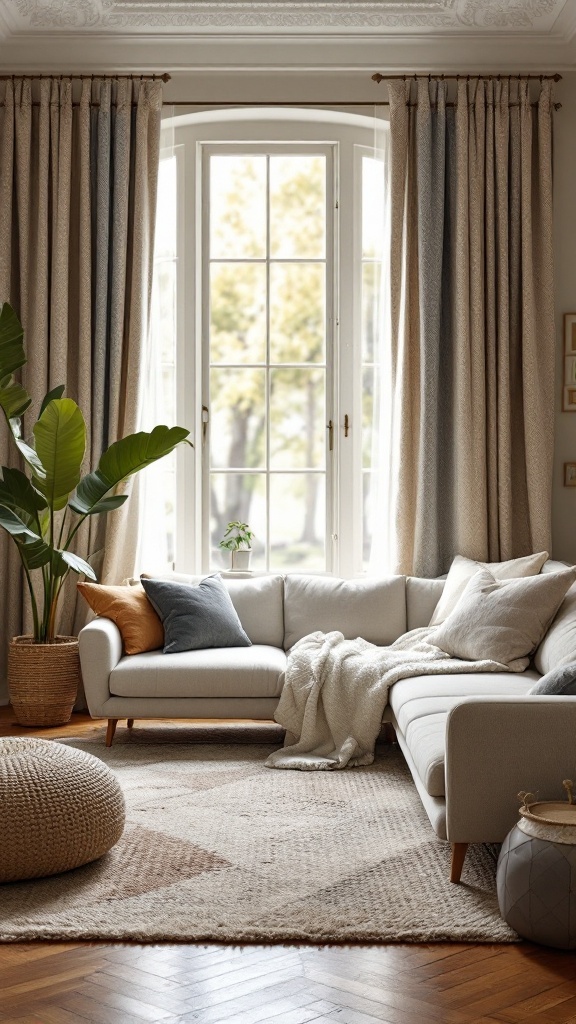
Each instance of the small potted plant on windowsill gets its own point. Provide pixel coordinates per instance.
(238, 541)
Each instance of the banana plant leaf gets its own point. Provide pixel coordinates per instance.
(12, 355)
(14, 525)
(55, 393)
(35, 553)
(18, 494)
(121, 460)
(77, 564)
(60, 435)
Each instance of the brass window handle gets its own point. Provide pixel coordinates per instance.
(346, 425)
(330, 429)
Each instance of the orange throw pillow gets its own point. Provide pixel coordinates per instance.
(132, 612)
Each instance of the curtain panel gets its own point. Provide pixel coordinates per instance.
(77, 209)
(471, 323)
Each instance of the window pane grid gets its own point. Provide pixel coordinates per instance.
(292, 406)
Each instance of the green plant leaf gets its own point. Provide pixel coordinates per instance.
(14, 525)
(77, 564)
(123, 459)
(56, 392)
(35, 553)
(12, 355)
(14, 400)
(60, 435)
(104, 505)
(18, 494)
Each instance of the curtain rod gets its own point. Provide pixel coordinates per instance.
(79, 77)
(456, 78)
(307, 103)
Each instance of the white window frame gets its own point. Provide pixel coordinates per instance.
(347, 136)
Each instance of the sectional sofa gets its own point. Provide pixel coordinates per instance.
(471, 741)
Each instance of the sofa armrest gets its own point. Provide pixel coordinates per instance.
(497, 747)
(100, 644)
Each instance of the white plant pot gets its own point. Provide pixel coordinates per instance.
(241, 559)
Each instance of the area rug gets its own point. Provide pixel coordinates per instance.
(218, 848)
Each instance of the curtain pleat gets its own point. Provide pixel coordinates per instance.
(472, 325)
(77, 209)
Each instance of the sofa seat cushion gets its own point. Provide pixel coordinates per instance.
(421, 705)
(256, 671)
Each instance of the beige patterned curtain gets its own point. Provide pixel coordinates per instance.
(77, 206)
(472, 322)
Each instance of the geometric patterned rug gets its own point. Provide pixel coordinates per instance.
(218, 848)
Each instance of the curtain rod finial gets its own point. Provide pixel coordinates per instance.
(166, 77)
(377, 77)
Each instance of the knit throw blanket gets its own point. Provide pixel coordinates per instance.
(336, 691)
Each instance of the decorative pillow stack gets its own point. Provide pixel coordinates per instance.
(196, 617)
(503, 621)
(463, 569)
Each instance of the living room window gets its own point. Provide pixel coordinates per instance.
(266, 334)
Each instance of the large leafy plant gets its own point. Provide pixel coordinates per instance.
(44, 510)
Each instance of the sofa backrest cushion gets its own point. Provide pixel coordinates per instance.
(559, 645)
(259, 603)
(422, 597)
(374, 609)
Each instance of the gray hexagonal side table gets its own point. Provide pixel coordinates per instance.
(536, 875)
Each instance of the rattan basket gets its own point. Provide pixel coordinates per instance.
(43, 679)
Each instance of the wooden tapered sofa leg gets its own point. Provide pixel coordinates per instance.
(458, 857)
(112, 723)
(129, 722)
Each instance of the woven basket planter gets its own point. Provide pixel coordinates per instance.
(43, 679)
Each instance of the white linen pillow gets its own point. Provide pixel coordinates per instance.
(502, 620)
(463, 569)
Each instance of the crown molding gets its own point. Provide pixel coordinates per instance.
(342, 52)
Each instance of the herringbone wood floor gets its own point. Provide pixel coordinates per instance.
(58, 983)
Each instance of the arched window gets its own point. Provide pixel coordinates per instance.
(266, 338)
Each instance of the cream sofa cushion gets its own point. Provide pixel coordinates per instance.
(421, 705)
(422, 598)
(374, 609)
(463, 569)
(256, 671)
(502, 620)
(559, 645)
(259, 603)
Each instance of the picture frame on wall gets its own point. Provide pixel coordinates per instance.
(569, 382)
(569, 398)
(569, 334)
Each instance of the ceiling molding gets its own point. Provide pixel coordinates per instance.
(141, 16)
(346, 53)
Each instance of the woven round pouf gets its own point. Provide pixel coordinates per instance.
(536, 875)
(59, 808)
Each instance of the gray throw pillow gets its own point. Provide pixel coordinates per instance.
(561, 680)
(196, 617)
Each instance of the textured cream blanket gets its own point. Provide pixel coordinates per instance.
(336, 691)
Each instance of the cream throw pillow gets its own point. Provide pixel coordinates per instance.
(463, 569)
(503, 621)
